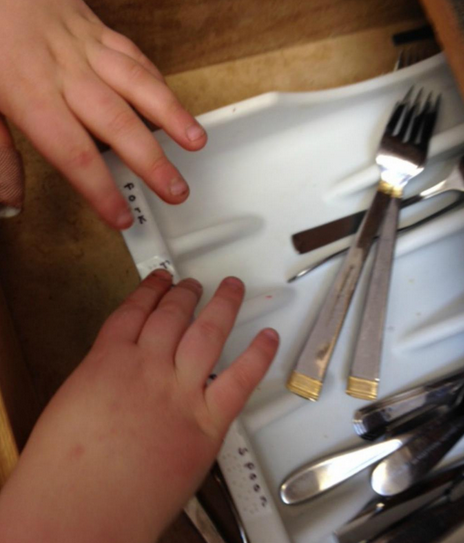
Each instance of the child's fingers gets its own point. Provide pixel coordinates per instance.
(124, 45)
(57, 134)
(112, 120)
(228, 394)
(165, 326)
(203, 342)
(11, 174)
(149, 95)
(126, 323)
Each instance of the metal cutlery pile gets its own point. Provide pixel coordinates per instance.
(401, 156)
(412, 432)
(426, 513)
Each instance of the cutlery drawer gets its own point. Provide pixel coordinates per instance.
(58, 283)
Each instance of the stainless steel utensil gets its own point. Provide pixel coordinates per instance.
(401, 156)
(305, 271)
(428, 526)
(375, 419)
(419, 443)
(380, 514)
(319, 236)
(412, 461)
(321, 475)
(364, 377)
(202, 521)
(220, 479)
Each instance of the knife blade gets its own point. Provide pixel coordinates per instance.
(319, 236)
(305, 271)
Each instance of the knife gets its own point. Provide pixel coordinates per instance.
(319, 236)
(402, 230)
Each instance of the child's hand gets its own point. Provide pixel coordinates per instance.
(130, 435)
(63, 73)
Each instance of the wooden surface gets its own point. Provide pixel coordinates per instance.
(62, 270)
(18, 408)
(183, 34)
(328, 63)
(448, 19)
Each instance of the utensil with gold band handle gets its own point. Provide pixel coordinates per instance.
(400, 159)
(363, 381)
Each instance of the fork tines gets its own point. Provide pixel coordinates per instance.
(413, 122)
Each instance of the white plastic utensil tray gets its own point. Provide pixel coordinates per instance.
(274, 165)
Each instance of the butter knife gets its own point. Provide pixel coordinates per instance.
(323, 234)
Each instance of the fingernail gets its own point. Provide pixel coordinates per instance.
(125, 219)
(161, 273)
(7, 212)
(195, 132)
(234, 283)
(178, 186)
(271, 334)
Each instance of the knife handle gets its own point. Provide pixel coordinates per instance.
(375, 419)
(307, 378)
(364, 376)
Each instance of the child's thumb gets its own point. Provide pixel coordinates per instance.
(11, 174)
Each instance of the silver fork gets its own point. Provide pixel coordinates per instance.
(401, 156)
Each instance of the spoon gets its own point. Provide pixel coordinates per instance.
(416, 457)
